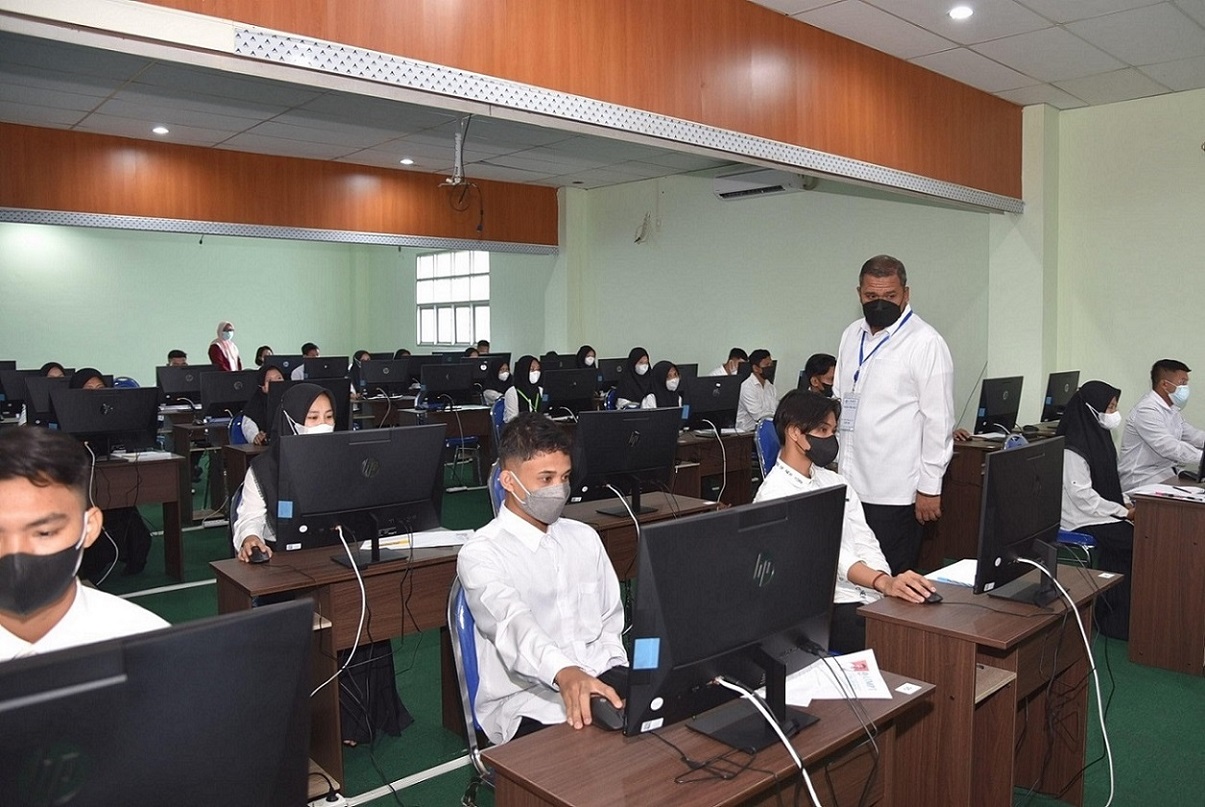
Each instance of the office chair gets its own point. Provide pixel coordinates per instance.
(497, 492)
(236, 430)
(465, 448)
(1071, 541)
(497, 411)
(124, 382)
(464, 652)
(609, 402)
(766, 441)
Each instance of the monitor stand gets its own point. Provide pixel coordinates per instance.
(363, 558)
(1041, 593)
(637, 509)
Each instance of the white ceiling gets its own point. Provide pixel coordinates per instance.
(1066, 53)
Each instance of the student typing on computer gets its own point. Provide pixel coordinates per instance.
(806, 424)
(525, 393)
(1157, 439)
(634, 383)
(543, 594)
(665, 387)
(46, 522)
(759, 398)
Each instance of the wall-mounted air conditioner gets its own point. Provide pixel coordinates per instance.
(746, 183)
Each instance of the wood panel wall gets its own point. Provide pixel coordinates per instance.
(49, 169)
(726, 63)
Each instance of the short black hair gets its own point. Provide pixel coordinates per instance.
(483, 343)
(529, 434)
(360, 353)
(738, 354)
(756, 356)
(176, 354)
(307, 347)
(259, 353)
(884, 266)
(401, 353)
(803, 409)
(44, 457)
(52, 365)
(818, 364)
(1165, 368)
(469, 351)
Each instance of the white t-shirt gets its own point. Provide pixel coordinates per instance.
(94, 616)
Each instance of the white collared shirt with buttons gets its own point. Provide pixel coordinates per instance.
(758, 401)
(94, 616)
(541, 601)
(1156, 439)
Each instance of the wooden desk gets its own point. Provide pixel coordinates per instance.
(560, 766)
(189, 437)
(734, 461)
(383, 411)
(475, 422)
(1167, 599)
(118, 483)
(236, 459)
(992, 661)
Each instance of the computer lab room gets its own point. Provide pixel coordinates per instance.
(596, 402)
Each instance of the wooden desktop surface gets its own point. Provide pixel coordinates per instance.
(117, 483)
(588, 767)
(731, 457)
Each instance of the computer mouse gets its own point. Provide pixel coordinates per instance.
(604, 713)
(258, 556)
(933, 599)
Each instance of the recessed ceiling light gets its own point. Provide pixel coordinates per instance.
(961, 12)
(406, 161)
(160, 130)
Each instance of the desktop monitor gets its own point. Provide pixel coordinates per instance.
(181, 384)
(8, 364)
(1059, 389)
(12, 385)
(554, 361)
(372, 482)
(381, 355)
(688, 370)
(486, 367)
(107, 419)
(999, 402)
(417, 363)
(326, 367)
(38, 389)
(570, 391)
(224, 394)
(285, 362)
(610, 371)
(385, 376)
(449, 383)
(213, 711)
(630, 450)
(712, 400)
(340, 392)
(746, 593)
(1019, 518)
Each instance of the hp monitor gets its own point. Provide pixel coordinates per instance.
(285, 362)
(326, 367)
(1059, 389)
(181, 384)
(712, 400)
(570, 390)
(107, 419)
(999, 403)
(385, 377)
(630, 450)
(449, 383)
(224, 394)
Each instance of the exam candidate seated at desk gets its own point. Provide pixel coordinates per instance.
(665, 387)
(806, 423)
(256, 416)
(1157, 439)
(634, 383)
(759, 398)
(496, 385)
(543, 594)
(525, 393)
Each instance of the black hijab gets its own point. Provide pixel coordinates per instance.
(662, 393)
(582, 353)
(492, 382)
(1084, 435)
(634, 387)
(257, 405)
(528, 393)
(295, 404)
(353, 372)
(83, 375)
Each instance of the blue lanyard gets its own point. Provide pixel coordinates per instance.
(862, 345)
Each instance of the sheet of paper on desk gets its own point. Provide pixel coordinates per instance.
(960, 573)
(429, 539)
(1189, 494)
(855, 675)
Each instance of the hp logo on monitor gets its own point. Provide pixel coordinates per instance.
(763, 570)
(370, 467)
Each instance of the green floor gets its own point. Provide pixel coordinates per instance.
(1156, 718)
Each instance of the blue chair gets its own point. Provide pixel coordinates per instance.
(464, 652)
(497, 411)
(124, 382)
(464, 449)
(235, 426)
(766, 440)
(1073, 541)
(497, 492)
(609, 401)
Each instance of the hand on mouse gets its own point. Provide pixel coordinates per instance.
(249, 543)
(576, 686)
(907, 585)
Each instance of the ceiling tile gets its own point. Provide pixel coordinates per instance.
(1051, 54)
(683, 161)
(30, 115)
(137, 128)
(1193, 8)
(993, 19)
(52, 99)
(1185, 74)
(876, 28)
(1108, 88)
(81, 84)
(173, 114)
(380, 112)
(1071, 10)
(262, 144)
(1043, 94)
(1149, 35)
(195, 80)
(973, 69)
(351, 138)
(791, 6)
(24, 50)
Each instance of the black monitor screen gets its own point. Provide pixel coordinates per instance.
(451, 383)
(1059, 389)
(417, 363)
(326, 367)
(688, 370)
(370, 482)
(181, 384)
(569, 390)
(338, 388)
(38, 389)
(12, 383)
(554, 361)
(712, 398)
(168, 717)
(8, 364)
(286, 362)
(385, 377)
(1019, 518)
(630, 450)
(746, 593)
(107, 419)
(999, 403)
(224, 394)
(610, 371)
(486, 367)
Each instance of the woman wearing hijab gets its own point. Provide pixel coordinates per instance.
(353, 372)
(223, 352)
(665, 387)
(87, 378)
(635, 383)
(1092, 499)
(496, 385)
(256, 416)
(586, 358)
(525, 393)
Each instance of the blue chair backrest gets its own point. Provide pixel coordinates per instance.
(767, 445)
(124, 382)
(609, 401)
(464, 653)
(237, 438)
(497, 492)
(496, 413)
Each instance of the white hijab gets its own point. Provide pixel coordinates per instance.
(227, 346)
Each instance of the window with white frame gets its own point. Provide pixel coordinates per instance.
(453, 298)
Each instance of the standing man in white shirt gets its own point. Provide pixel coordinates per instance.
(895, 381)
(759, 398)
(1157, 438)
(543, 594)
(736, 357)
(46, 522)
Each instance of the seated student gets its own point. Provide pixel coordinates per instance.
(525, 394)
(586, 358)
(401, 353)
(806, 423)
(177, 358)
(483, 347)
(665, 387)
(1157, 439)
(819, 371)
(735, 357)
(635, 383)
(51, 369)
(86, 378)
(759, 398)
(494, 388)
(353, 372)
(1092, 499)
(261, 353)
(470, 353)
(223, 352)
(543, 594)
(256, 416)
(46, 522)
(310, 351)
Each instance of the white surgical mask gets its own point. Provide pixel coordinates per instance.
(641, 369)
(1108, 420)
(671, 384)
(317, 428)
(534, 376)
(227, 335)
(1180, 395)
(504, 375)
(589, 361)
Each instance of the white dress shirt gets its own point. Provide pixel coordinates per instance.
(298, 373)
(1156, 439)
(650, 401)
(510, 409)
(721, 370)
(902, 436)
(1082, 505)
(858, 542)
(252, 517)
(541, 602)
(758, 402)
(94, 616)
(250, 429)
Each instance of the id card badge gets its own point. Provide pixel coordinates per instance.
(849, 411)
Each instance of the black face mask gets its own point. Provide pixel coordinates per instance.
(881, 313)
(31, 582)
(823, 450)
(826, 390)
